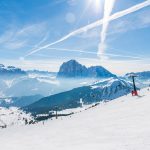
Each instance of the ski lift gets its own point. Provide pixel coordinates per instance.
(134, 91)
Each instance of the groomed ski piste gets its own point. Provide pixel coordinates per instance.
(121, 124)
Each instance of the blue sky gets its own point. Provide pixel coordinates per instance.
(27, 25)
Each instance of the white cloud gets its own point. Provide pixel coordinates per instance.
(21, 37)
(6, 36)
(45, 65)
(141, 20)
(15, 45)
(90, 34)
(32, 30)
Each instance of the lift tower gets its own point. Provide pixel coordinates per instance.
(134, 92)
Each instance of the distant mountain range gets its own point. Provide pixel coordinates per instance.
(70, 69)
(15, 82)
(11, 70)
(39, 72)
(107, 89)
(141, 75)
(73, 69)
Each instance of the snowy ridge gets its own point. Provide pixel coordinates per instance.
(112, 88)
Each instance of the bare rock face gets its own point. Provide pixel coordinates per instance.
(99, 71)
(73, 69)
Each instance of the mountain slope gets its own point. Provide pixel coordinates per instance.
(99, 71)
(122, 124)
(107, 89)
(19, 101)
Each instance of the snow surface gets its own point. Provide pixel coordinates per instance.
(13, 116)
(121, 124)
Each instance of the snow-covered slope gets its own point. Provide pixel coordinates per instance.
(13, 116)
(122, 124)
(106, 89)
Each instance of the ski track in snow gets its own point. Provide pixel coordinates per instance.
(121, 124)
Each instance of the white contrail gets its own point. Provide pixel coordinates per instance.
(68, 50)
(94, 53)
(95, 24)
(108, 6)
(78, 31)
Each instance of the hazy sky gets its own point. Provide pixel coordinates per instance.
(27, 25)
